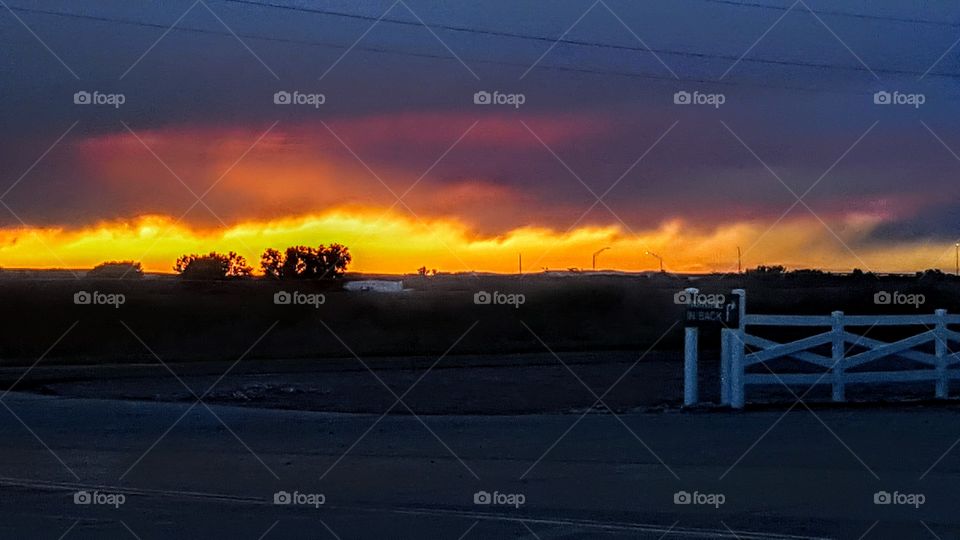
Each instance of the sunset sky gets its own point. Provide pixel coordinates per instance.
(402, 166)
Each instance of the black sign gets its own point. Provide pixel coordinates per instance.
(725, 315)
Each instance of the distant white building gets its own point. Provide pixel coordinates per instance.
(375, 285)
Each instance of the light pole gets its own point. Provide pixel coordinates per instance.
(957, 246)
(659, 258)
(595, 253)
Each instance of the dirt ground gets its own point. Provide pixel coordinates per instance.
(462, 384)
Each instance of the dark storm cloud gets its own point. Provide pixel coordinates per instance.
(937, 223)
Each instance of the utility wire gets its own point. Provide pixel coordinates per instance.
(381, 50)
(584, 43)
(835, 13)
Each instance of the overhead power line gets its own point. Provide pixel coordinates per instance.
(365, 48)
(382, 50)
(595, 44)
(837, 13)
(745, 5)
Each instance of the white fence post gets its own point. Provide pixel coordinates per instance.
(690, 367)
(737, 398)
(737, 344)
(726, 351)
(940, 339)
(839, 392)
(690, 338)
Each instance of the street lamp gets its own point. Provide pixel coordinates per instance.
(595, 253)
(957, 246)
(659, 258)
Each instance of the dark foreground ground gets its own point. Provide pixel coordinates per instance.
(197, 403)
(199, 472)
(409, 468)
(503, 384)
(627, 381)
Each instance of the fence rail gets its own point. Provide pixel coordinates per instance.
(741, 350)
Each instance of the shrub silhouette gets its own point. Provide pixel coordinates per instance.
(764, 270)
(116, 270)
(303, 262)
(271, 262)
(932, 274)
(212, 266)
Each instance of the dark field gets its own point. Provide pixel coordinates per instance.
(457, 357)
(219, 321)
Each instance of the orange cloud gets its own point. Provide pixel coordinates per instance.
(303, 169)
(299, 185)
(392, 242)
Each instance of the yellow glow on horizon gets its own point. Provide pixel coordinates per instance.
(396, 243)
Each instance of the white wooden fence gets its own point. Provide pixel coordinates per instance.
(735, 357)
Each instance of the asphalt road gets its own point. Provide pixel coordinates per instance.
(198, 472)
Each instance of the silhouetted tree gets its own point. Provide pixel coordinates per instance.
(271, 262)
(768, 270)
(424, 272)
(303, 262)
(117, 270)
(808, 272)
(336, 258)
(858, 274)
(932, 274)
(212, 266)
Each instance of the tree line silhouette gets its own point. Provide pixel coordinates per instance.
(295, 262)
